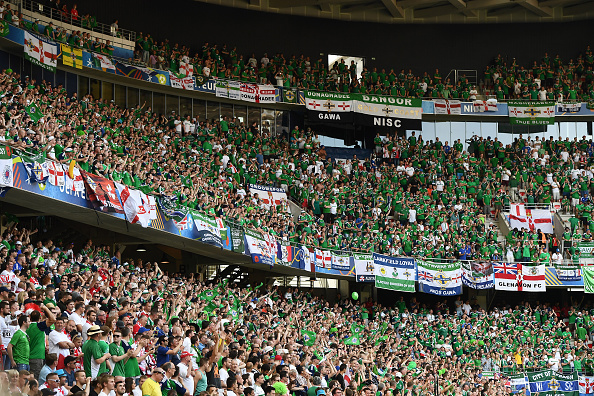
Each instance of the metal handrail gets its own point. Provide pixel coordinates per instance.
(60, 19)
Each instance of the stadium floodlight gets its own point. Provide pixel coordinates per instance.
(141, 248)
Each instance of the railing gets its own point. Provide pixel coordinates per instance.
(67, 21)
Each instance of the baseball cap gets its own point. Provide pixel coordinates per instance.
(320, 392)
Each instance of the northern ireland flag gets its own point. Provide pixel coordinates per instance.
(184, 223)
(40, 51)
(481, 106)
(57, 175)
(586, 384)
(519, 277)
(323, 258)
(532, 219)
(186, 69)
(444, 106)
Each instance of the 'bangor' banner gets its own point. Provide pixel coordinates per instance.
(387, 111)
(550, 383)
(531, 113)
(364, 267)
(443, 279)
(394, 273)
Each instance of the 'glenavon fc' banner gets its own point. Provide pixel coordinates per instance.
(387, 111)
(519, 277)
(329, 107)
(531, 113)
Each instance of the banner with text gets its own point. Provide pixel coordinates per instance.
(442, 279)
(394, 273)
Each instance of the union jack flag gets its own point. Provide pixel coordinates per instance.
(425, 276)
(505, 268)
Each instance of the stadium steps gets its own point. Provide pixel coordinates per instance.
(233, 273)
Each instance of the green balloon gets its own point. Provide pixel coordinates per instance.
(355, 296)
(412, 365)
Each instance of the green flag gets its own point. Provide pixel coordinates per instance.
(352, 340)
(588, 274)
(210, 307)
(33, 112)
(309, 337)
(209, 295)
(289, 95)
(531, 112)
(4, 29)
(357, 329)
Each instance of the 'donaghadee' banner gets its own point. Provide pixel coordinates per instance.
(257, 93)
(361, 109)
(329, 107)
(531, 112)
(394, 273)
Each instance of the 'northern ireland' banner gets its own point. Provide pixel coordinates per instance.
(519, 277)
(387, 111)
(531, 112)
(394, 273)
(442, 279)
(477, 275)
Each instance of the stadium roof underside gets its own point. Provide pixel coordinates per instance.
(425, 11)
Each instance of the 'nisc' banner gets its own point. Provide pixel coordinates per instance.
(531, 112)
(394, 273)
(442, 279)
(364, 267)
(387, 111)
(550, 383)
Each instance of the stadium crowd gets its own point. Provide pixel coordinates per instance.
(79, 321)
(411, 197)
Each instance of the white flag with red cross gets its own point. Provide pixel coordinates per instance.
(531, 219)
(40, 51)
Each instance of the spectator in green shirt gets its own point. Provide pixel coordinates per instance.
(18, 349)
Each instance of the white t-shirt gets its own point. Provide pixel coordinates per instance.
(78, 320)
(7, 331)
(224, 375)
(54, 338)
(439, 185)
(187, 379)
(258, 390)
